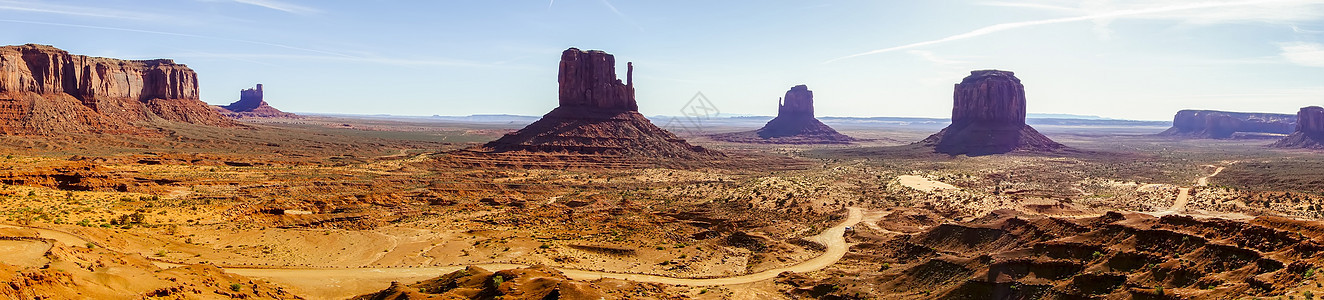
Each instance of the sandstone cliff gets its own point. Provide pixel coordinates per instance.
(795, 124)
(597, 121)
(988, 117)
(1309, 131)
(44, 90)
(251, 105)
(1223, 124)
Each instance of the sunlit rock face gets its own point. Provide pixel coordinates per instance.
(988, 117)
(45, 90)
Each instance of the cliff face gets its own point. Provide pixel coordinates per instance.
(799, 102)
(1223, 124)
(1309, 131)
(989, 96)
(46, 90)
(988, 117)
(597, 121)
(588, 79)
(251, 105)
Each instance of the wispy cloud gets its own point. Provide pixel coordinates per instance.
(180, 34)
(1200, 12)
(1302, 53)
(78, 11)
(281, 6)
(622, 15)
(418, 62)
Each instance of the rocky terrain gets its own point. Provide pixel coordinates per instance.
(534, 283)
(988, 117)
(1223, 124)
(47, 91)
(251, 105)
(1309, 130)
(597, 123)
(795, 124)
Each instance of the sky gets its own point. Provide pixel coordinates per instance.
(1127, 59)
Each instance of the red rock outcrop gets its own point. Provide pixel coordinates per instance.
(45, 90)
(597, 117)
(1309, 130)
(1224, 124)
(251, 105)
(794, 124)
(988, 117)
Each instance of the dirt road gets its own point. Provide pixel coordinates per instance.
(1184, 194)
(335, 283)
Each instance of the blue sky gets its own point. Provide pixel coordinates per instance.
(1136, 59)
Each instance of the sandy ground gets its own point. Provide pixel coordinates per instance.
(923, 184)
(1184, 196)
(333, 283)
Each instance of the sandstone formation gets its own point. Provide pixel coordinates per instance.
(44, 90)
(1309, 130)
(251, 105)
(794, 124)
(988, 117)
(1223, 124)
(597, 117)
(536, 282)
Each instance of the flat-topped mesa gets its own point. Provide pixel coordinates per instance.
(799, 102)
(1225, 124)
(989, 96)
(588, 79)
(988, 117)
(1309, 130)
(45, 90)
(251, 105)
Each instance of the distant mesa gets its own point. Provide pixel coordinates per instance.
(1223, 124)
(251, 105)
(795, 124)
(47, 91)
(988, 117)
(1309, 131)
(597, 120)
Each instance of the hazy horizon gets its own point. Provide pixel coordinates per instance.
(1138, 60)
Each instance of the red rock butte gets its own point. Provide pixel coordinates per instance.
(988, 117)
(795, 124)
(1309, 130)
(45, 90)
(251, 105)
(598, 117)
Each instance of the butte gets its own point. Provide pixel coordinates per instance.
(988, 117)
(251, 105)
(795, 124)
(1309, 130)
(597, 124)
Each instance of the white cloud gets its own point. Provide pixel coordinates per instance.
(281, 6)
(1302, 53)
(934, 58)
(1206, 12)
(80, 11)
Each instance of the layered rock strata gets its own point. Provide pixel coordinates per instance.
(988, 117)
(1224, 124)
(45, 90)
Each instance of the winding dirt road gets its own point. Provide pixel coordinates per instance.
(1184, 194)
(333, 283)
